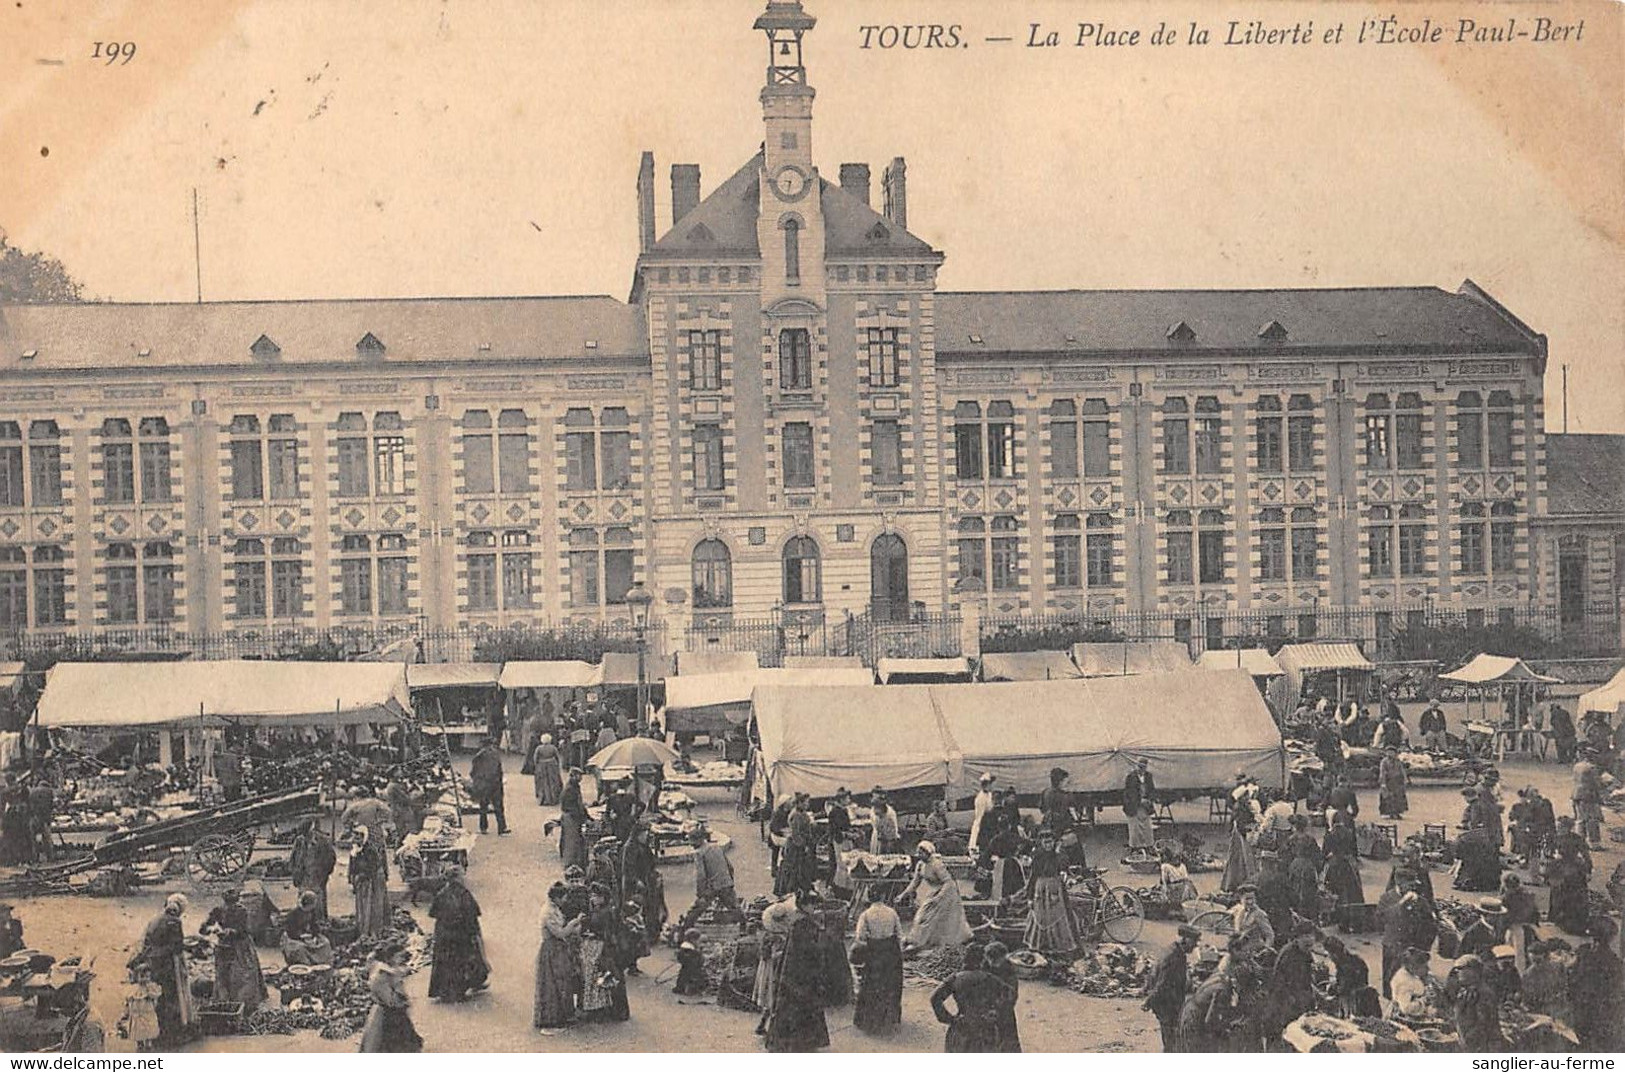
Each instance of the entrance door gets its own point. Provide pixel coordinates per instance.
(1571, 587)
(888, 579)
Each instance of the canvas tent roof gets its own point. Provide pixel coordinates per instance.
(1133, 657)
(1607, 698)
(262, 693)
(693, 701)
(1029, 666)
(716, 662)
(559, 674)
(1313, 658)
(1197, 730)
(1256, 661)
(621, 668)
(859, 736)
(453, 675)
(11, 674)
(922, 671)
(1486, 669)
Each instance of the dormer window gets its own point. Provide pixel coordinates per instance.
(264, 347)
(370, 346)
(700, 233)
(879, 233)
(1181, 332)
(1272, 332)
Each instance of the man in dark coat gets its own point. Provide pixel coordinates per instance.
(1597, 992)
(1407, 922)
(459, 948)
(1169, 984)
(1289, 992)
(1275, 893)
(1139, 803)
(1431, 726)
(485, 777)
(311, 863)
(1563, 735)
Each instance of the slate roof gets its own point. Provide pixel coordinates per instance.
(114, 335)
(1060, 322)
(725, 222)
(1585, 474)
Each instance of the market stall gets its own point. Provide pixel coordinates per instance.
(1029, 666)
(715, 703)
(455, 699)
(922, 671)
(1256, 661)
(1337, 670)
(854, 736)
(1196, 729)
(1131, 658)
(1511, 681)
(1609, 698)
(619, 678)
(545, 689)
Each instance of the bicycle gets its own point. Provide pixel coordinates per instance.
(1115, 911)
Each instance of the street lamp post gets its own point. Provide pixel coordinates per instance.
(640, 600)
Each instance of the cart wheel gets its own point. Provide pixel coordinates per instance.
(1122, 915)
(217, 860)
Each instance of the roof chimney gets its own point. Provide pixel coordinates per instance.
(685, 190)
(646, 203)
(894, 183)
(855, 181)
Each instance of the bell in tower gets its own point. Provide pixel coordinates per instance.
(784, 22)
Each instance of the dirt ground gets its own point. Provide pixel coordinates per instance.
(509, 875)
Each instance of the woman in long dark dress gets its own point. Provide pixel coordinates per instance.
(459, 948)
(163, 952)
(545, 771)
(603, 968)
(389, 1026)
(1568, 872)
(237, 974)
(558, 964)
(1342, 874)
(795, 1020)
(997, 958)
(572, 821)
(879, 934)
(979, 999)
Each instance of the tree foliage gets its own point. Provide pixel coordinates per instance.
(34, 278)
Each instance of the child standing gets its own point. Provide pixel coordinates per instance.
(141, 1010)
(690, 965)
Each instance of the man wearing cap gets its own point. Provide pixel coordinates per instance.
(485, 784)
(1431, 726)
(979, 809)
(1586, 799)
(1169, 984)
(1484, 934)
(885, 839)
(1139, 801)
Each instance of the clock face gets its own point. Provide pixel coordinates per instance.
(789, 182)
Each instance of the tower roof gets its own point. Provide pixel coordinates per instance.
(784, 15)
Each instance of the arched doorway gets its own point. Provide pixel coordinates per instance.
(888, 579)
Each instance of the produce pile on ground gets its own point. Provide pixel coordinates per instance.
(1109, 971)
(342, 1009)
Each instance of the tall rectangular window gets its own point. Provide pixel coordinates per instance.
(798, 455)
(1470, 538)
(1176, 437)
(1413, 533)
(968, 441)
(118, 461)
(287, 577)
(479, 460)
(153, 447)
(1500, 426)
(1063, 439)
(886, 453)
(795, 360)
(1305, 546)
(1066, 564)
(353, 460)
(617, 574)
(518, 577)
(355, 575)
(584, 578)
(1001, 440)
(708, 472)
(122, 605)
(1211, 546)
(1097, 436)
(247, 458)
(1300, 433)
(971, 545)
(50, 586)
(482, 571)
(1378, 432)
(11, 465)
(1267, 446)
(1209, 436)
(1379, 543)
(1102, 571)
(282, 457)
(704, 361)
(1503, 538)
(883, 357)
(13, 588)
(617, 456)
(1272, 544)
(580, 451)
(158, 581)
(1408, 431)
(389, 469)
(1470, 430)
(1006, 554)
(248, 579)
(392, 574)
(1179, 540)
(513, 452)
(45, 462)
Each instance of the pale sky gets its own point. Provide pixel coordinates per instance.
(484, 148)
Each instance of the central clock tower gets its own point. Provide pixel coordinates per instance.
(790, 224)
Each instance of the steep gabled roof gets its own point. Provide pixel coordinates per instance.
(725, 222)
(1382, 319)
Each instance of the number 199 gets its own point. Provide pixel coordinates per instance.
(114, 51)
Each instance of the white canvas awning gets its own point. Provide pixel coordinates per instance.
(11, 675)
(1297, 661)
(453, 675)
(559, 674)
(1609, 698)
(1256, 661)
(922, 671)
(224, 692)
(1493, 669)
(1029, 666)
(620, 668)
(716, 662)
(710, 702)
(1130, 658)
(861, 736)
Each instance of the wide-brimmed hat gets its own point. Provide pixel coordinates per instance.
(1491, 906)
(986, 778)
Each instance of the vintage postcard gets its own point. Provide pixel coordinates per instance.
(805, 525)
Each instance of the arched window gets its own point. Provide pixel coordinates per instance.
(803, 571)
(713, 575)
